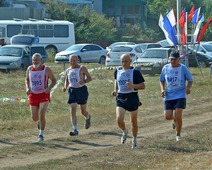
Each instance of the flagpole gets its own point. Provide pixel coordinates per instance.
(178, 17)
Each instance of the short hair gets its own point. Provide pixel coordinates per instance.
(73, 55)
(37, 55)
(125, 56)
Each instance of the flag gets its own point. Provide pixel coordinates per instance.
(196, 32)
(161, 24)
(204, 28)
(182, 22)
(190, 16)
(170, 30)
(196, 16)
(171, 16)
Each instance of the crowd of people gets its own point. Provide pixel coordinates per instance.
(175, 82)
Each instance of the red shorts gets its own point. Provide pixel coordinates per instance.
(36, 99)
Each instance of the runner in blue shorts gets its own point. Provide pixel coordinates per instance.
(76, 78)
(174, 89)
(128, 81)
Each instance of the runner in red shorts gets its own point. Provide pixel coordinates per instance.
(38, 91)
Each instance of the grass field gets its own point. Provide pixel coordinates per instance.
(99, 147)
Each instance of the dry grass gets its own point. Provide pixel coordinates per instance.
(99, 148)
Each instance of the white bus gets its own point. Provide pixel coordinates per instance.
(53, 34)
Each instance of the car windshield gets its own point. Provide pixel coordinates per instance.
(122, 49)
(13, 52)
(74, 47)
(154, 54)
(208, 47)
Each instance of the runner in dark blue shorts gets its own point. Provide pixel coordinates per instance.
(77, 76)
(128, 81)
(175, 82)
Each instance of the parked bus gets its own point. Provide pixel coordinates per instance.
(52, 34)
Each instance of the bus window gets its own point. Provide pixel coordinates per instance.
(13, 30)
(2, 32)
(45, 31)
(30, 29)
(61, 31)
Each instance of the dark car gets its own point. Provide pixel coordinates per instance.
(14, 57)
(197, 59)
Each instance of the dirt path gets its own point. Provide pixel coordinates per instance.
(58, 145)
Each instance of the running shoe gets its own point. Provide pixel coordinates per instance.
(74, 132)
(173, 125)
(178, 138)
(124, 137)
(40, 138)
(134, 145)
(88, 122)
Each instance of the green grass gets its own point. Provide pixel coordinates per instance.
(158, 151)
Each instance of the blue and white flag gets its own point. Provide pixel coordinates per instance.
(195, 17)
(196, 32)
(172, 19)
(168, 30)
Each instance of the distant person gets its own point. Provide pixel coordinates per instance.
(76, 78)
(128, 81)
(174, 90)
(38, 91)
(2, 42)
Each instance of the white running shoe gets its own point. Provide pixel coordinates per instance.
(40, 138)
(178, 138)
(124, 137)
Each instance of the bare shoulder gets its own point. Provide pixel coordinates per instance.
(83, 68)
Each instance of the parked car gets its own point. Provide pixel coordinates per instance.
(24, 39)
(113, 56)
(14, 57)
(203, 59)
(119, 43)
(145, 46)
(203, 48)
(152, 60)
(164, 43)
(87, 53)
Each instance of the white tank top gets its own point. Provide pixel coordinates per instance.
(38, 81)
(74, 77)
(124, 76)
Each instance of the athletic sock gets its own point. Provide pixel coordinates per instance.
(124, 131)
(41, 132)
(87, 117)
(74, 127)
(134, 139)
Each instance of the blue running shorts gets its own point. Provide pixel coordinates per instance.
(173, 104)
(128, 101)
(78, 95)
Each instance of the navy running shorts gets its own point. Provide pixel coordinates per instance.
(173, 104)
(78, 95)
(128, 101)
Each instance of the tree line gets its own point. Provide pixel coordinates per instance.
(91, 26)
